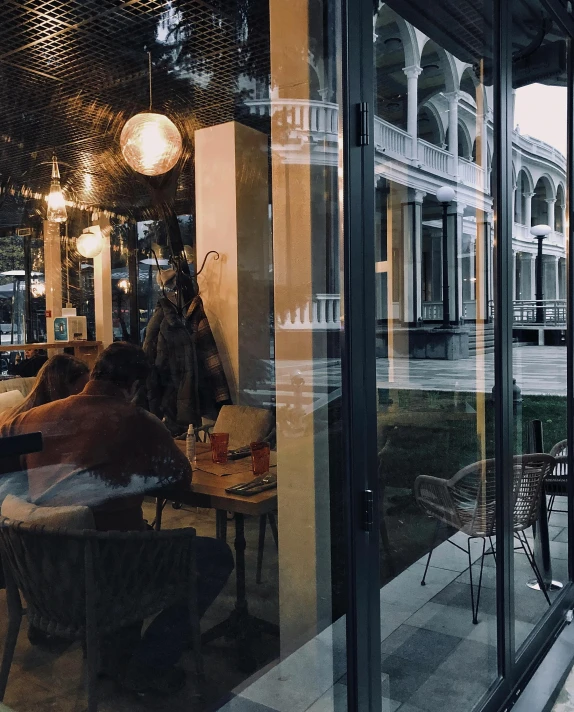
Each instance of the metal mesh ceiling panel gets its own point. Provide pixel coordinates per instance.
(73, 71)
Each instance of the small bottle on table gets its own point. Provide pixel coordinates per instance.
(190, 446)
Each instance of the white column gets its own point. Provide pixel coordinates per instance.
(528, 211)
(455, 215)
(513, 275)
(556, 261)
(232, 213)
(551, 203)
(412, 73)
(453, 98)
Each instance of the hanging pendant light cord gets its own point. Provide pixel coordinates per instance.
(149, 71)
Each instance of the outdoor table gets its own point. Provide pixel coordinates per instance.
(208, 490)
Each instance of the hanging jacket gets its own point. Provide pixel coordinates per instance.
(187, 378)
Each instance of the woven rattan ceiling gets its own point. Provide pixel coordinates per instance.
(73, 71)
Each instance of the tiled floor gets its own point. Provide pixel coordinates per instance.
(433, 658)
(565, 701)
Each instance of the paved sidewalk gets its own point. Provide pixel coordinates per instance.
(565, 701)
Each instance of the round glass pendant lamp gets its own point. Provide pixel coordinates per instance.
(90, 242)
(150, 143)
(56, 203)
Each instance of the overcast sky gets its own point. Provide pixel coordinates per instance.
(540, 111)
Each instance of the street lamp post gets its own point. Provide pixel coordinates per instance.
(445, 195)
(540, 232)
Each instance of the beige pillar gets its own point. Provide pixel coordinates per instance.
(232, 212)
(103, 286)
(52, 275)
(302, 448)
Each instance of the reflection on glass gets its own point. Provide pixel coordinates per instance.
(435, 343)
(539, 318)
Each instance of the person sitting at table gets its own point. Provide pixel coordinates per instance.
(61, 376)
(102, 451)
(30, 365)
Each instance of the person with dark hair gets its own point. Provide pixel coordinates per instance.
(60, 376)
(103, 451)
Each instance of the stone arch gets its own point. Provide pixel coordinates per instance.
(395, 48)
(543, 191)
(429, 125)
(466, 146)
(524, 189)
(446, 63)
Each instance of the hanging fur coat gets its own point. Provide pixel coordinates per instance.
(187, 378)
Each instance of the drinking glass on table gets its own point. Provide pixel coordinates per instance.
(260, 458)
(219, 446)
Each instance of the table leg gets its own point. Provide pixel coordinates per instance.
(241, 625)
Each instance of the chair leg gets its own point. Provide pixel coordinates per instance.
(492, 548)
(532, 561)
(475, 608)
(159, 505)
(14, 621)
(435, 535)
(551, 505)
(261, 545)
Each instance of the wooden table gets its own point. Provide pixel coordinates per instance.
(86, 351)
(208, 490)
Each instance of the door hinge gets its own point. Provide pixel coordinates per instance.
(368, 514)
(363, 123)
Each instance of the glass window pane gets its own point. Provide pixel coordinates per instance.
(224, 264)
(435, 341)
(539, 315)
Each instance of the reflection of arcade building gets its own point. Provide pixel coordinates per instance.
(433, 128)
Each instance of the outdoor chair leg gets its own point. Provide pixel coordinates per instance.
(475, 609)
(14, 621)
(492, 548)
(551, 505)
(423, 581)
(532, 561)
(261, 545)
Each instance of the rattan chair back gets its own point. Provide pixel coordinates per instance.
(132, 575)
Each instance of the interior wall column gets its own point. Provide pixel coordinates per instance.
(53, 274)
(302, 448)
(103, 285)
(412, 73)
(412, 257)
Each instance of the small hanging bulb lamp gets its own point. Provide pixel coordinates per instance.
(90, 243)
(56, 202)
(150, 143)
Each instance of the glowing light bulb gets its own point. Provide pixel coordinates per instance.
(90, 242)
(56, 201)
(151, 143)
(124, 285)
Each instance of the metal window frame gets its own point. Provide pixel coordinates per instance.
(359, 365)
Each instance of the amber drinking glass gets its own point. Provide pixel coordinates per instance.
(260, 458)
(219, 445)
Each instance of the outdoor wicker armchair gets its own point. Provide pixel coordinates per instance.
(82, 584)
(467, 502)
(556, 484)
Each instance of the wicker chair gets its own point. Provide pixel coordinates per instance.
(467, 503)
(556, 484)
(83, 584)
